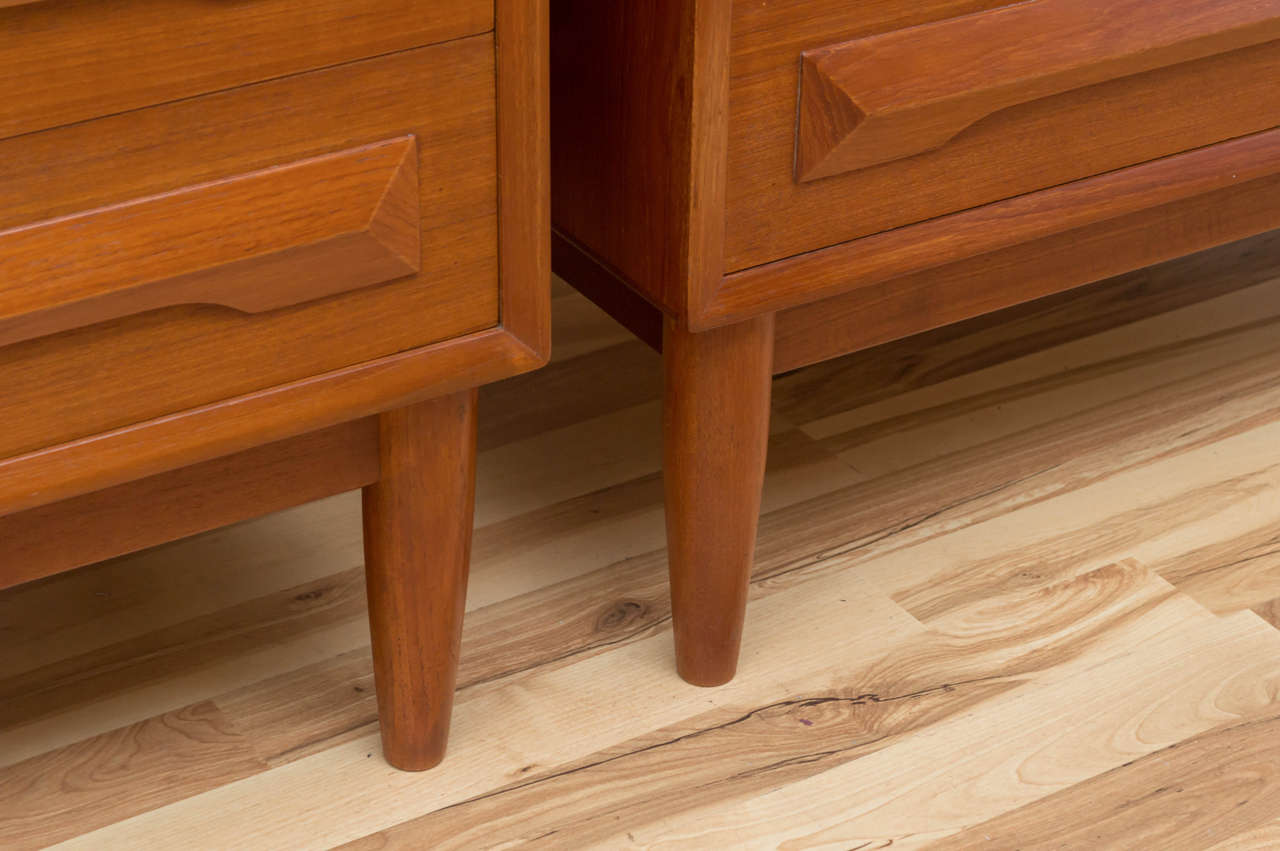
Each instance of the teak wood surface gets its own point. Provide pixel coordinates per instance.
(417, 546)
(377, 371)
(69, 60)
(1016, 587)
(715, 429)
(1043, 143)
(318, 227)
(137, 368)
(106, 523)
(379, 230)
(973, 155)
(892, 96)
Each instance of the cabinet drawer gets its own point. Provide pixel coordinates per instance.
(69, 60)
(852, 119)
(175, 256)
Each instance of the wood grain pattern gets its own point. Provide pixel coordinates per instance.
(1252, 840)
(159, 658)
(959, 236)
(902, 93)
(152, 511)
(198, 434)
(783, 245)
(1222, 781)
(958, 615)
(1136, 197)
(924, 360)
(935, 297)
(169, 360)
(524, 173)
(763, 32)
(1032, 146)
(715, 426)
(254, 242)
(638, 159)
(729, 752)
(69, 787)
(70, 60)
(109, 523)
(1067, 162)
(458, 221)
(417, 538)
(265, 242)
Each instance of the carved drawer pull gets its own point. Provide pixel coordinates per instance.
(889, 96)
(255, 242)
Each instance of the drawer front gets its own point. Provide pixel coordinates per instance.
(70, 60)
(852, 119)
(178, 255)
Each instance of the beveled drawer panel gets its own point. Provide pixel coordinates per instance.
(70, 60)
(883, 122)
(232, 242)
(875, 100)
(256, 242)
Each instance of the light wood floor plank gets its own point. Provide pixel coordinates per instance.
(886, 693)
(1259, 839)
(1189, 794)
(934, 784)
(1016, 587)
(64, 792)
(504, 731)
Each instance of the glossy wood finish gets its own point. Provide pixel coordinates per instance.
(1022, 149)
(69, 60)
(909, 304)
(904, 92)
(790, 282)
(163, 362)
(153, 446)
(715, 435)
(906, 305)
(255, 242)
(198, 434)
(637, 159)
(520, 343)
(292, 197)
(1048, 182)
(146, 512)
(417, 540)
(523, 98)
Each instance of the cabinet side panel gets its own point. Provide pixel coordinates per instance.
(633, 87)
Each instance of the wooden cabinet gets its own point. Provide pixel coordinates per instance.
(894, 95)
(977, 108)
(245, 239)
(745, 183)
(244, 236)
(69, 60)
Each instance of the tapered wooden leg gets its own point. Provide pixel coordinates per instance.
(417, 543)
(715, 433)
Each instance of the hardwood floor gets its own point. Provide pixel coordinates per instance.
(1018, 586)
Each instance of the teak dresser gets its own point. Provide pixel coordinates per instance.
(257, 253)
(756, 185)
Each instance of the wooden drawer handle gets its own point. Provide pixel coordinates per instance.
(254, 242)
(889, 96)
